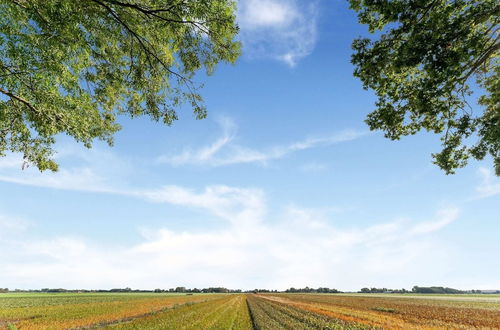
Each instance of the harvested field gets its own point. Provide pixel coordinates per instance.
(399, 312)
(246, 311)
(66, 311)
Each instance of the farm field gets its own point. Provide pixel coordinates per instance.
(247, 311)
(399, 311)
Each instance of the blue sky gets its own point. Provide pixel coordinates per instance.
(282, 185)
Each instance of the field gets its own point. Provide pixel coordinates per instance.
(247, 311)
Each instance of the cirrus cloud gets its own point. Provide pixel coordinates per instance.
(225, 151)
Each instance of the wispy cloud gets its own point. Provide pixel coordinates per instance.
(236, 205)
(80, 178)
(490, 185)
(443, 218)
(91, 170)
(232, 204)
(276, 250)
(277, 245)
(9, 225)
(206, 153)
(11, 161)
(281, 29)
(225, 151)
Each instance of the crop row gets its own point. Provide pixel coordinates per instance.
(74, 315)
(390, 312)
(273, 315)
(229, 312)
(243, 312)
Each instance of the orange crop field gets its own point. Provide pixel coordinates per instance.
(397, 312)
(68, 311)
(270, 311)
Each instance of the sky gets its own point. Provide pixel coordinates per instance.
(282, 185)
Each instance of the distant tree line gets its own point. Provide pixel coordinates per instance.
(435, 289)
(424, 289)
(382, 290)
(181, 289)
(311, 290)
(261, 291)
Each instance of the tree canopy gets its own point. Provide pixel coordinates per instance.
(425, 61)
(72, 66)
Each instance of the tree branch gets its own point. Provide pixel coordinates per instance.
(20, 99)
(140, 40)
(482, 59)
(146, 49)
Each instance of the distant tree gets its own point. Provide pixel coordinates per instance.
(180, 289)
(127, 289)
(436, 289)
(312, 290)
(71, 66)
(421, 67)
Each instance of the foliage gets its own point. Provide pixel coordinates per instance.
(312, 290)
(382, 290)
(435, 289)
(72, 66)
(421, 68)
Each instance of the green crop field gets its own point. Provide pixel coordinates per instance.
(247, 311)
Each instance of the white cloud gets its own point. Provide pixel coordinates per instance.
(444, 218)
(11, 161)
(224, 151)
(490, 185)
(302, 249)
(207, 152)
(82, 179)
(237, 205)
(281, 29)
(251, 248)
(256, 14)
(82, 169)
(10, 225)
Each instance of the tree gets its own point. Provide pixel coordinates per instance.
(72, 66)
(422, 69)
(180, 289)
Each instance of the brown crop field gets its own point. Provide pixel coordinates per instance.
(247, 311)
(394, 312)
